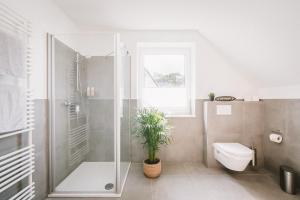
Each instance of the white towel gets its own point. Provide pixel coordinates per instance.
(12, 105)
(12, 54)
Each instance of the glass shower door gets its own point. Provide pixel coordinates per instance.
(124, 112)
(82, 112)
(89, 90)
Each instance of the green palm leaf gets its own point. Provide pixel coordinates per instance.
(153, 127)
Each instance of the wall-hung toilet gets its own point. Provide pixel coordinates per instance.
(234, 156)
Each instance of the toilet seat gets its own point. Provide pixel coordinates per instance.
(235, 149)
(233, 156)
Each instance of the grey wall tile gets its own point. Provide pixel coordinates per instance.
(244, 125)
(101, 130)
(8, 145)
(101, 147)
(65, 58)
(100, 74)
(40, 140)
(187, 134)
(125, 136)
(282, 116)
(225, 124)
(65, 67)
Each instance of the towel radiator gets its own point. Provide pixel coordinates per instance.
(18, 165)
(78, 142)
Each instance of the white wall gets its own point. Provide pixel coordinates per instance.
(45, 17)
(262, 37)
(283, 92)
(91, 43)
(213, 71)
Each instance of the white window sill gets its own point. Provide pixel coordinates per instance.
(181, 116)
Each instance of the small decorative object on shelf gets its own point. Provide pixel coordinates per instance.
(211, 96)
(225, 98)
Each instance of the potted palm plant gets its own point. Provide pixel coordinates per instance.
(153, 128)
(211, 96)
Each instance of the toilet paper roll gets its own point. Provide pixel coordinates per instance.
(275, 138)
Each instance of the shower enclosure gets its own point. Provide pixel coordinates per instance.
(89, 108)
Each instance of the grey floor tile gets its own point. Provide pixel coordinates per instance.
(137, 186)
(215, 187)
(136, 167)
(263, 187)
(177, 169)
(193, 181)
(170, 187)
(200, 169)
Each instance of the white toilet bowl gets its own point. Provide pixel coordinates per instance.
(234, 156)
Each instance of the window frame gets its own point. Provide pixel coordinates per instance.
(186, 49)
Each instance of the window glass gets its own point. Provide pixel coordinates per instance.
(166, 79)
(164, 71)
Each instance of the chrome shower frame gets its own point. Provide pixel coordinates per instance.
(117, 122)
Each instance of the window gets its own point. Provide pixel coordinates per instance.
(166, 80)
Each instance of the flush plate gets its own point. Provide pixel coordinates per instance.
(223, 110)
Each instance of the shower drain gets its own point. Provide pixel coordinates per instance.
(109, 186)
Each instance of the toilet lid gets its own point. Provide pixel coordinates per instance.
(236, 149)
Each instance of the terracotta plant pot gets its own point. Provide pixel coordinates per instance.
(152, 170)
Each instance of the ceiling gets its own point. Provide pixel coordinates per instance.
(261, 38)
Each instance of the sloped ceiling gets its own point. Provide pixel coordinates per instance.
(261, 38)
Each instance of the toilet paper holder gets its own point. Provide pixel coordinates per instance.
(276, 137)
(276, 132)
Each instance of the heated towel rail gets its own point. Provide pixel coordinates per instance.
(18, 166)
(78, 144)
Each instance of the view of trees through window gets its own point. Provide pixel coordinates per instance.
(166, 79)
(164, 71)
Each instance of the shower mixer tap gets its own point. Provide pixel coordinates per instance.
(67, 103)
